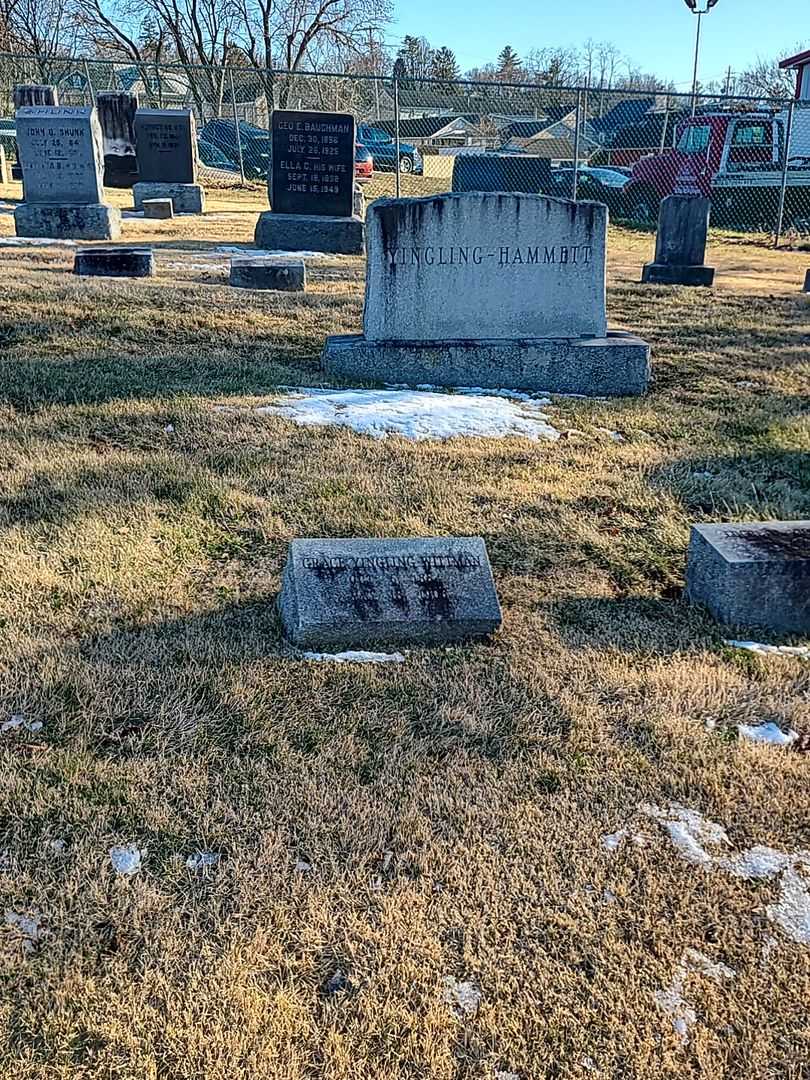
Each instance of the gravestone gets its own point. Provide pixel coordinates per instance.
(116, 114)
(807, 282)
(343, 593)
(489, 289)
(114, 262)
(311, 185)
(166, 148)
(5, 176)
(61, 156)
(158, 209)
(680, 243)
(502, 172)
(755, 574)
(263, 272)
(34, 94)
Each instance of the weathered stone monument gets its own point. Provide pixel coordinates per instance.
(61, 157)
(166, 148)
(116, 114)
(114, 262)
(311, 185)
(34, 94)
(267, 272)
(343, 593)
(754, 574)
(489, 289)
(680, 243)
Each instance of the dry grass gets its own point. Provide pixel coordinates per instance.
(451, 808)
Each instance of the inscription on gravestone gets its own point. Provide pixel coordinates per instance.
(60, 152)
(339, 593)
(166, 146)
(312, 163)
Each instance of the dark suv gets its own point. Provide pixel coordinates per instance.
(384, 151)
(255, 144)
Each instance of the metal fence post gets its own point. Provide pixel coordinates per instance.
(575, 181)
(236, 127)
(396, 129)
(89, 83)
(780, 218)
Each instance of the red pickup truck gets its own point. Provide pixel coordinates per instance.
(734, 159)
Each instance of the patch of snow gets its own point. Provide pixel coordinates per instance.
(169, 429)
(232, 249)
(303, 867)
(691, 834)
(28, 926)
(616, 436)
(767, 733)
(613, 841)
(671, 1000)
(35, 241)
(539, 397)
(746, 384)
(208, 268)
(202, 860)
(16, 722)
(57, 846)
(802, 651)
(126, 859)
(465, 997)
(414, 415)
(356, 657)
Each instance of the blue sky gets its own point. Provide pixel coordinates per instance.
(658, 35)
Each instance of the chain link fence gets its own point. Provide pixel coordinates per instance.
(629, 149)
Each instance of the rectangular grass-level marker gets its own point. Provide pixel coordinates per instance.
(339, 593)
(753, 574)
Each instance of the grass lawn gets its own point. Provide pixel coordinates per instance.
(413, 879)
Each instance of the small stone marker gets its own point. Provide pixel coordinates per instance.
(680, 243)
(311, 185)
(341, 593)
(61, 156)
(754, 574)
(116, 114)
(807, 282)
(34, 94)
(502, 172)
(263, 272)
(489, 289)
(166, 147)
(114, 262)
(160, 209)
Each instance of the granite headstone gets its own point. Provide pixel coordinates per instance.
(116, 114)
(489, 289)
(752, 574)
(34, 94)
(61, 155)
(342, 593)
(166, 149)
(680, 243)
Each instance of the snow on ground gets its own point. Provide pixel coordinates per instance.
(671, 1000)
(203, 860)
(27, 926)
(705, 843)
(17, 722)
(356, 657)
(232, 249)
(126, 859)
(767, 733)
(35, 241)
(414, 414)
(613, 841)
(465, 997)
(802, 651)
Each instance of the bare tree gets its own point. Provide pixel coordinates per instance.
(766, 79)
(39, 28)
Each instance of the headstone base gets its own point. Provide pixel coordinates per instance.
(120, 170)
(309, 232)
(664, 274)
(255, 272)
(754, 574)
(93, 222)
(158, 209)
(614, 366)
(114, 262)
(186, 198)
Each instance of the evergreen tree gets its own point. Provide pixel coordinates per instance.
(510, 66)
(417, 55)
(445, 66)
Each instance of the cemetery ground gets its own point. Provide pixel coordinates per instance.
(447, 867)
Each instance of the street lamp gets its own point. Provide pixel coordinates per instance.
(699, 8)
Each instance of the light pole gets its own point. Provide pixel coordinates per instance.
(699, 8)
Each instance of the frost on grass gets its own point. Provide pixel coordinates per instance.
(27, 927)
(671, 1000)
(767, 733)
(126, 859)
(465, 997)
(800, 651)
(706, 844)
(356, 657)
(18, 722)
(414, 414)
(203, 860)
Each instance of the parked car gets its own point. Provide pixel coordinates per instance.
(255, 142)
(735, 160)
(597, 182)
(213, 158)
(363, 164)
(384, 151)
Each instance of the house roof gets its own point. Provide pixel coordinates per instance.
(799, 60)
